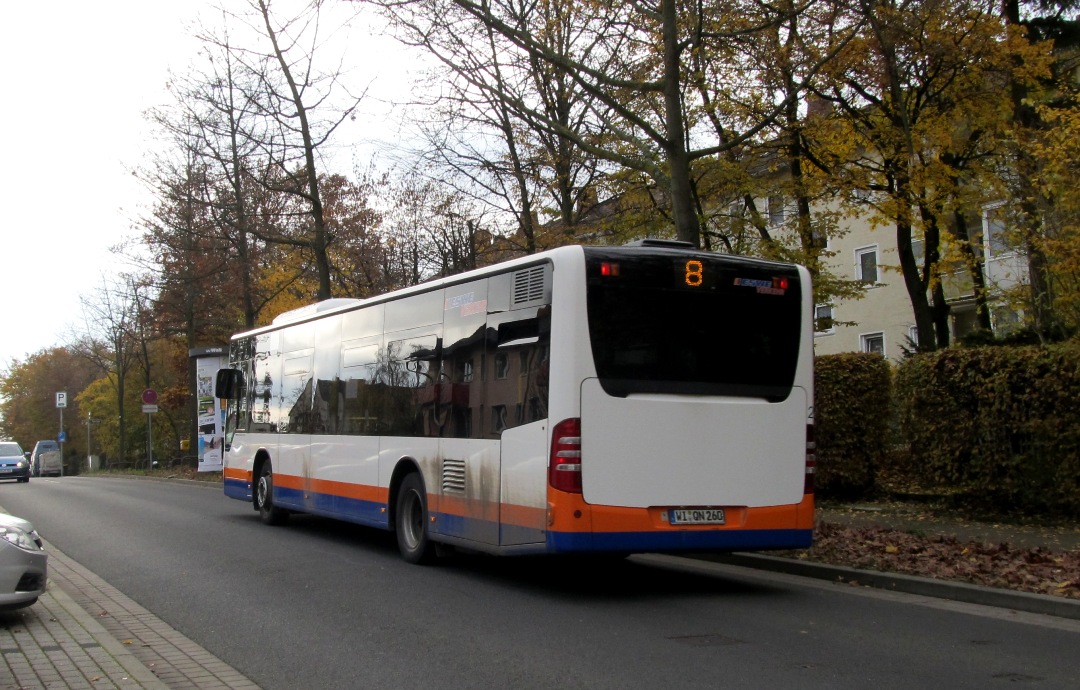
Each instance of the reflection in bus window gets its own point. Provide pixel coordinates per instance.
(362, 398)
(458, 398)
(502, 365)
(409, 378)
(518, 393)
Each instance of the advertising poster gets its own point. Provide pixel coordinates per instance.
(211, 414)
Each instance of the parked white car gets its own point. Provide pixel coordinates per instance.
(45, 460)
(24, 566)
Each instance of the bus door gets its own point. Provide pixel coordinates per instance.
(519, 353)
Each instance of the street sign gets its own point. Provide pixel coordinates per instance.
(149, 397)
(149, 409)
(61, 399)
(61, 437)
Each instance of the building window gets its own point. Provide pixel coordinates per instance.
(913, 334)
(502, 365)
(918, 248)
(866, 265)
(776, 210)
(1005, 320)
(994, 230)
(873, 342)
(823, 319)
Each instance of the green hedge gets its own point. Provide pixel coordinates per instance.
(999, 425)
(851, 411)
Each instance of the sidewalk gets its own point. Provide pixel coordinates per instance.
(84, 634)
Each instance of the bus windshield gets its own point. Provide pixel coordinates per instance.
(693, 323)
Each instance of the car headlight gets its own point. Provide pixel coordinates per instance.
(22, 464)
(19, 538)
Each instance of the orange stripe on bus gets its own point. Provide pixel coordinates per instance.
(362, 492)
(236, 473)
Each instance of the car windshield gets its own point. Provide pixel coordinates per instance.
(8, 450)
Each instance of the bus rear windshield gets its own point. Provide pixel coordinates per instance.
(692, 323)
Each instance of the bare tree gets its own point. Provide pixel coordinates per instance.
(637, 71)
(274, 110)
(109, 339)
(476, 137)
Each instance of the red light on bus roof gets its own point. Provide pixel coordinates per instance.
(609, 268)
(781, 283)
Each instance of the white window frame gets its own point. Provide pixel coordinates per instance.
(832, 315)
(859, 253)
(987, 238)
(776, 210)
(865, 338)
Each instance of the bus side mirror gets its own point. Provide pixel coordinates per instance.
(229, 383)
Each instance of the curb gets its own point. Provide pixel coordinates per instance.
(135, 669)
(215, 484)
(910, 584)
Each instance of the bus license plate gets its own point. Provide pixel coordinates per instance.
(697, 516)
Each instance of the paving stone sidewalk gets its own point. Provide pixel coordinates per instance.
(85, 634)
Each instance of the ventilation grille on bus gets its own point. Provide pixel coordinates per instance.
(528, 287)
(453, 476)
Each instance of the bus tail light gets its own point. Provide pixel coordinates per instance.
(811, 460)
(564, 467)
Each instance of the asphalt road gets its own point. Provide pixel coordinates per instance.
(319, 604)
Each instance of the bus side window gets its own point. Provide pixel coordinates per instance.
(409, 376)
(517, 390)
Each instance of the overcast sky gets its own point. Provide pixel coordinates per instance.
(78, 77)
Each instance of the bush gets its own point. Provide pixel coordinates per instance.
(999, 425)
(851, 410)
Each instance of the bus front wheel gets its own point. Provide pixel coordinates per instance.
(411, 520)
(264, 498)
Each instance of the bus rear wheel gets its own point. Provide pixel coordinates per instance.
(411, 521)
(264, 498)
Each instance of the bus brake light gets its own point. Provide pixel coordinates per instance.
(609, 268)
(564, 468)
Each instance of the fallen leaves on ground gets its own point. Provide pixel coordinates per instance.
(1036, 570)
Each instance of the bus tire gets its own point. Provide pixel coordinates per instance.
(411, 521)
(264, 498)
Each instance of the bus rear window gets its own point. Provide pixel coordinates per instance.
(693, 323)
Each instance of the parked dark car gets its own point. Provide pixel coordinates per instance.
(13, 462)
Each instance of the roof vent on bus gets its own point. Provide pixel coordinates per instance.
(529, 287)
(655, 242)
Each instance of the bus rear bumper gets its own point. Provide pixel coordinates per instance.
(675, 541)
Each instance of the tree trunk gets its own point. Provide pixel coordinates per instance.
(687, 226)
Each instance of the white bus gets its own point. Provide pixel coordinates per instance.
(644, 398)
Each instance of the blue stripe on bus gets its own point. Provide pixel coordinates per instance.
(361, 512)
(237, 488)
(689, 540)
